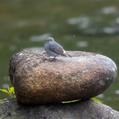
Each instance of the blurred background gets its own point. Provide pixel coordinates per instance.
(86, 25)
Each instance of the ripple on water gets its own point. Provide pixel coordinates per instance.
(96, 23)
(40, 38)
(116, 92)
(82, 44)
(109, 10)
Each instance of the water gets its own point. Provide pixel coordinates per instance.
(91, 25)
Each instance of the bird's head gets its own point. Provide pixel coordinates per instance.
(50, 39)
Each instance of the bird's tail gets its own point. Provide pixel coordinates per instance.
(66, 54)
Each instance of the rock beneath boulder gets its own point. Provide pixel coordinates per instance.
(9, 109)
(39, 80)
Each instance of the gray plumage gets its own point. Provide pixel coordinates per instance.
(54, 49)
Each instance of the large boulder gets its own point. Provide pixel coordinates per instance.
(9, 109)
(39, 80)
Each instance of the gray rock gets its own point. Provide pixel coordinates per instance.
(9, 109)
(37, 80)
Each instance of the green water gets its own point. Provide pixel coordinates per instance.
(22, 20)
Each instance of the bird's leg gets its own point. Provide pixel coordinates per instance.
(52, 58)
(69, 55)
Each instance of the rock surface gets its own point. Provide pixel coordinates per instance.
(9, 109)
(38, 80)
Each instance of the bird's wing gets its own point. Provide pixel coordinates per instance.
(57, 48)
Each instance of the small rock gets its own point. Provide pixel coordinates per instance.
(38, 80)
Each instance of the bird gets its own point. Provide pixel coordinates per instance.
(54, 49)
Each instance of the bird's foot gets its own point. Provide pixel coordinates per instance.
(52, 58)
(69, 55)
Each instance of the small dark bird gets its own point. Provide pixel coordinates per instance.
(53, 48)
